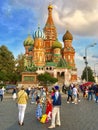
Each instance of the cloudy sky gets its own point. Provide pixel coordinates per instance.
(18, 18)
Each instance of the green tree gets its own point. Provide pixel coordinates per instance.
(7, 64)
(46, 79)
(19, 67)
(90, 74)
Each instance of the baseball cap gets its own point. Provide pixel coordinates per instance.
(56, 87)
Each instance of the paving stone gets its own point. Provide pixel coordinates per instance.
(83, 116)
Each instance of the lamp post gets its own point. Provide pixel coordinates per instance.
(85, 58)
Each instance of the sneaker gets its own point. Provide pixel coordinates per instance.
(78, 100)
(67, 102)
(32, 102)
(21, 124)
(58, 124)
(50, 127)
(18, 123)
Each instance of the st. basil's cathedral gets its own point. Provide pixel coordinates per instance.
(46, 53)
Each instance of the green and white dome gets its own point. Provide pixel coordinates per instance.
(39, 34)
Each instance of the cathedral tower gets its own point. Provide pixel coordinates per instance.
(68, 52)
(28, 44)
(50, 34)
(39, 48)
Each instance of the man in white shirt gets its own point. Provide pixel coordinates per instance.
(75, 92)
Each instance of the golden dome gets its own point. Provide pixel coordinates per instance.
(67, 36)
(50, 7)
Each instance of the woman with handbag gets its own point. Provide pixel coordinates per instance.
(22, 98)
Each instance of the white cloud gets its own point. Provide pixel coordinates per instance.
(79, 22)
(79, 16)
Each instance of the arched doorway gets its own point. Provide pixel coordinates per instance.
(60, 76)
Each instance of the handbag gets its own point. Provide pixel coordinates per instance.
(43, 118)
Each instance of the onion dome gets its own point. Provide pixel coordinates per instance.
(39, 34)
(57, 44)
(50, 7)
(29, 41)
(67, 36)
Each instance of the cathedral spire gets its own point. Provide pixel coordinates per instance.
(50, 29)
(50, 20)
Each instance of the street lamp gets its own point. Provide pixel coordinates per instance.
(85, 58)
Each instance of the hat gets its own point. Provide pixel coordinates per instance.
(56, 87)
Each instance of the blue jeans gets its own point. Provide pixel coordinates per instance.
(90, 96)
(1, 97)
(33, 98)
(96, 99)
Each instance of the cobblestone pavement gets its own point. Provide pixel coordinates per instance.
(83, 116)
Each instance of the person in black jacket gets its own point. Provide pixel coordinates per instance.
(96, 93)
(56, 101)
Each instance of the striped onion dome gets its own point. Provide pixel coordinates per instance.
(67, 36)
(29, 41)
(39, 34)
(57, 44)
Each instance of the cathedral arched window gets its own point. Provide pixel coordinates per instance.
(69, 57)
(50, 68)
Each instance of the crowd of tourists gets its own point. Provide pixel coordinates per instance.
(73, 91)
(90, 92)
(48, 102)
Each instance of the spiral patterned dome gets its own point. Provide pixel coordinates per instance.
(67, 36)
(29, 41)
(39, 34)
(57, 44)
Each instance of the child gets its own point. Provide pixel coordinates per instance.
(48, 108)
(39, 110)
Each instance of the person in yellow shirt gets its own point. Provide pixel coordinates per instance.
(22, 99)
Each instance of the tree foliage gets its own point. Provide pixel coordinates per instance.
(7, 64)
(19, 67)
(90, 74)
(46, 79)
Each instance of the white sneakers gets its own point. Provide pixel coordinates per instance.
(50, 127)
